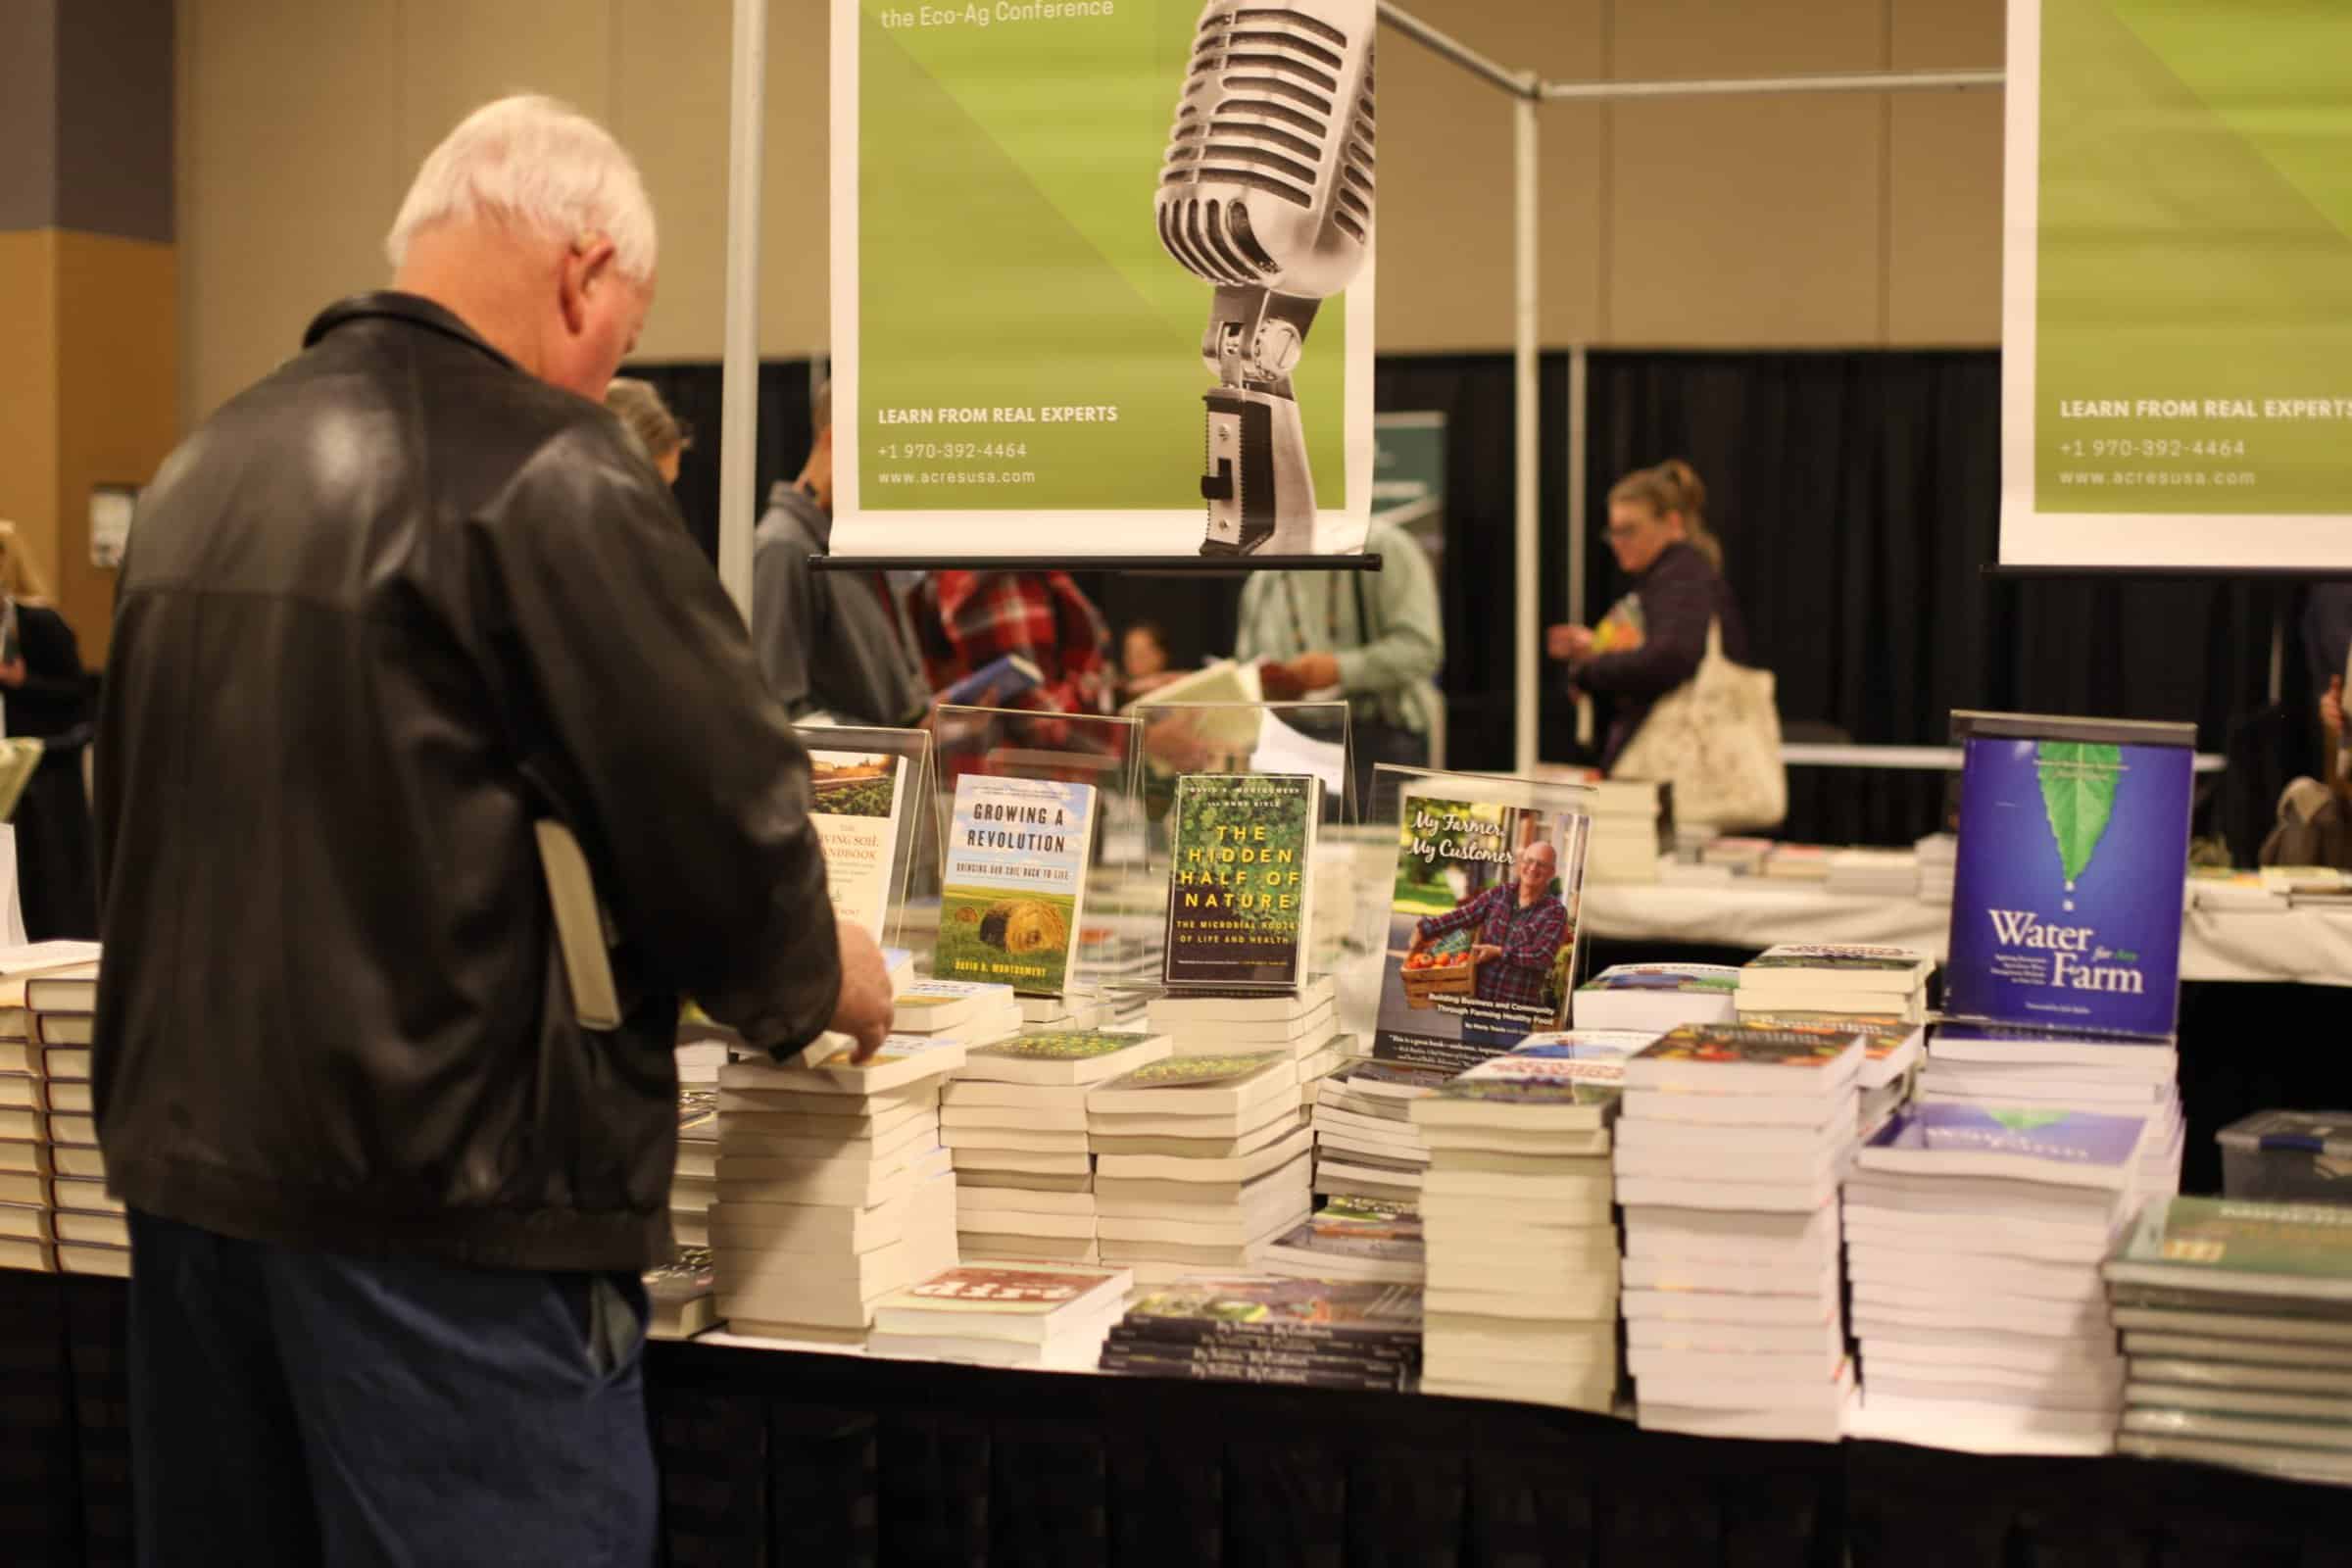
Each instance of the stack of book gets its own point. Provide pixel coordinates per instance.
(1015, 1117)
(1303, 1022)
(1337, 1334)
(1893, 1048)
(694, 1181)
(974, 1012)
(1797, 863)
(1729, 1148)
(1938, 856)
(1000, 1314)
(1875, 873)
(1366, 1145)
(55, 1213)
(1353, 1239)
(1200, 1162)
(1741, 857)
(1658, 996)
(833, 1189)
(1973, 1243)
(2237, 1324)
(1628, 825)
(1074, 1008)
(1836, 978)
(1521, 1300)
(2054, 1071)
(682, 1295)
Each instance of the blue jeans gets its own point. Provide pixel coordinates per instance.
(312, 1407)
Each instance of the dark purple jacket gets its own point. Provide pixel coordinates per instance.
(1680, 594)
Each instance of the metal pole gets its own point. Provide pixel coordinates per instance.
(1729, 86)
(1527, 628)
(1517, 83)
(739, 408)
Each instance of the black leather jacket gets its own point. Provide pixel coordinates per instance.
(381, 613)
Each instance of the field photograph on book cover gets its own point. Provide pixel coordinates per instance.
(857, 800)
(1013, 880)
(1481, 929)
(2067, 901)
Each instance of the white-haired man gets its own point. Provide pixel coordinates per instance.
(389, 608)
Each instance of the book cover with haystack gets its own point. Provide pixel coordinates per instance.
(1015, 881)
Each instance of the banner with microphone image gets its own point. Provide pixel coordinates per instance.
(1103, 278)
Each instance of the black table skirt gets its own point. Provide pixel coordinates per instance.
(790, 1460)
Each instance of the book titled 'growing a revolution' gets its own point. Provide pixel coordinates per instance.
(1015, 881)
(2074, 850)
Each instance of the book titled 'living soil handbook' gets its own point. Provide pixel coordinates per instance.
(2074, 850)
(1015, 881)
(1238, 883)
(856, 801)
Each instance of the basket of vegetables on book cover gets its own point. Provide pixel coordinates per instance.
(1446, 968)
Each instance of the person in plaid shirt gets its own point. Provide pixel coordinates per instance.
(966, 620)
(1520, 925)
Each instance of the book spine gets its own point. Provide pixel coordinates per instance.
(1168, 1366)
(1352, 1337)
(1306, 1358)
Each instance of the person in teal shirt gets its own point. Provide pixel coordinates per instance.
(1376, 638)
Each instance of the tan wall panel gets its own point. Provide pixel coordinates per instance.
(1946, 34)
(1944, 234)
(796, 229)
(117, 363)
(291, 166)
(29, 399)
(460, 54)
(670, 111)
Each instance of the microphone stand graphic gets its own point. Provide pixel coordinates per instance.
(1266, 193)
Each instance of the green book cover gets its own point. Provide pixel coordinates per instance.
(2225, 1240)
(1063, 1044)
(1200, 1073)
(1238, 884)
(1749, 1044)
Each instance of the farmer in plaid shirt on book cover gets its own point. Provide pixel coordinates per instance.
(1520, 925)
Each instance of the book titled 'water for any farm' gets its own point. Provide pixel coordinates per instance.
(2074, 848)
(1238, 884)
(1015, 881)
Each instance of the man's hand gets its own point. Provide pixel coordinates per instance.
(11, 673)
(1315, 672)
(1568, 643)
(2331, 707)
(1485, 952)
(866, 1004)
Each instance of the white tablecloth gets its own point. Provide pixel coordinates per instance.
(2303, 946)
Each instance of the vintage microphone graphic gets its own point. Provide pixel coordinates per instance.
(1266, 192)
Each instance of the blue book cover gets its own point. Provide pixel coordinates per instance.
(993, 684)
(1585, 1045)
(2067, 899)
(1946, 1134)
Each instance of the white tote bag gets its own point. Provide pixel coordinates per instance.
(1717, 739)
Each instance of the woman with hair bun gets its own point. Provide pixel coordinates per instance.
(1651, 641)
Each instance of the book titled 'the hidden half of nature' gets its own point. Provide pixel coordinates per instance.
(1238, 883)
(1015, 881)
(2074, 850)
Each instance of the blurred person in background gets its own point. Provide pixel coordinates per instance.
(1653, 639)
(966, 620)
(660, 434)
(832, 645)
(46, 695)
(1143, 660)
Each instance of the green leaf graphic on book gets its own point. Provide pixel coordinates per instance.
(2027, 1121)
(2078, 793)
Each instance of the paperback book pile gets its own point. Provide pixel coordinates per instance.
(1729, 1148)
(1743, 856)
(995, 1315)
(1353, 1239)
(1338, 1334)
(1200, 1162)
(1630, 830)
(974, 1012)
(1797, 863)
(1893, 1048)
(1839, 978)
(54, 1209)
(694, 1182)
(1073, 1008)
(1366, 1145)
(1015, 1117)
(1521, 1300)
(1938, 857)
(2055, 1071)
(1873, 873)
(2237, 1324)
(1303, 1022)
(1658, 996)
(1973, 1241)
(833, 1189)
(683, 1295)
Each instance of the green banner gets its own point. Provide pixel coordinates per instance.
(2179, 335)
(1015, 350)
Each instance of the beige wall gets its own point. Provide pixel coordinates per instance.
(1768, 221)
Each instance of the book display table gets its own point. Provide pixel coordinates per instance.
(780, 1457)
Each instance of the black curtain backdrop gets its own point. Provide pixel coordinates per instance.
(1858, 497)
